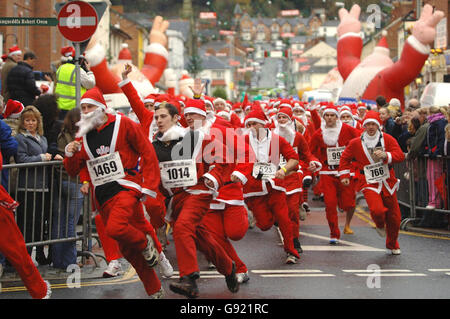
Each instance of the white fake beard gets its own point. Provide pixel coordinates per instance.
(371, 141)
(90, 121)
(304, 119)
(331, 135)
(286, 131)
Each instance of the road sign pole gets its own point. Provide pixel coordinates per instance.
(77, 75)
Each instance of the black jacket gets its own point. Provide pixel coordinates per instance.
(21, 84)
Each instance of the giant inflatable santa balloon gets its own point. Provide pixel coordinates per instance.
(377, 74)
(155, 62)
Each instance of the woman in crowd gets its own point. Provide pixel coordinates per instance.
(32, 214)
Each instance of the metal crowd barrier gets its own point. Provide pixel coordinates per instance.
(48, 200)
(418, 178)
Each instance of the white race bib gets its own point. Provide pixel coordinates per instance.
(334, 155)
(267, 170)
(180, 173)
(105, 169)
(375, 173)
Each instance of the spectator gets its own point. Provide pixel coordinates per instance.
(381, 101)
(394, 108)
(14, 56)
(21, 82)
(388, 123)
(447, 154)
(414, 104)
(32, 147)
(65, 80)
(8, 149)
(67, 211)
(10, 113)
(47, 105)
(418, 142)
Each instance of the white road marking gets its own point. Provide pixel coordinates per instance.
(275, 271)
(342, 246)
(443, 270)
(393, 275)
(380, 270)
(297, 275)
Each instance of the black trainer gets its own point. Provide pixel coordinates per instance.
(297, 245)
(186, 286)
(231, 279)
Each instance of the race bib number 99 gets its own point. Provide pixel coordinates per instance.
(181, 173)
(334, 155)
(265, 170)
(376, 172)
(105, 169)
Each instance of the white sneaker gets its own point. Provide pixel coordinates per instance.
(291, 259)
(150, 253)
(334, 241)
(164, 266)
(302, 212)
(430, 207)
(395, 252)
(242, 277)
(211, 265)
(159, 295)
(114, 269)
(381, 231)
(49, 290)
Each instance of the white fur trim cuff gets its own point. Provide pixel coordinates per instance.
(240, 176)
(124, 82)
(95, 55)
(157, 48)
(389, 157)
(350, 34)
(213, 179)
(419, 46)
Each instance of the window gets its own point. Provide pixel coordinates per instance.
(286, 28)
(275, 28)
(218, 74)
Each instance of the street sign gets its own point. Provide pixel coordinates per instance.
(290, 13)
(38, 22)
(77, 21)
(208, 15)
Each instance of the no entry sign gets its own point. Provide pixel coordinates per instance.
(77, 21)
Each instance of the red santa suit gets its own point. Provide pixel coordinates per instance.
(381, 196)
(12, 246)
(387, 79)
(266, 198)
(323, 141)
(293, 181)
(120, 208)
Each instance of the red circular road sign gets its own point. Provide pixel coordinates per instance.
(77, 21)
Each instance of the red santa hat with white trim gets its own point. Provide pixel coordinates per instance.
(372, 117)
(345, 109)
(13, 109)
(330, 109)
(285, 110)
(94, 96)
(67, 53)
(196, 106)
(15, 50)
(256, 115)
(298, 105)
(382, 46)
(125, 54)
(285, 103)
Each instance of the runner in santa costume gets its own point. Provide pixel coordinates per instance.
(264, 185)
(293, 183)
(346, 116)
(155, 62)
(110, 147)
(377, 74)
(375, 152)
(327, 144)
(193, 169)
(12, 246)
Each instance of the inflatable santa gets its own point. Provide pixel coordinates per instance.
(377, 74)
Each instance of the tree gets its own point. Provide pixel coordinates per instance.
(195, 65)
(220, 92)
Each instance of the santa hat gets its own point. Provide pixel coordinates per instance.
(345, 110)
(67, 53)
(236, 106)
(195, 106)
(372, 116)
(285, 111)
(257, 116)
(94, 96)
(285, 103)
(298, 106)
(125, 54)
(224, 113)
(382, 46)
(185, 79)
(219, 99)
(13, 109)
(4, 57)
(150, 98)
(330, 109)
(208, 100)
(14, 51)
(395, 102)
(162, 98)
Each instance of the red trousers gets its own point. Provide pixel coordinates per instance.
(384, 210)
(110, 246)
(229, 223)
(156, 209)
(293, 203)
(189, 233)
(270, 208)
(123, 216)
(12, 246)
(334, 194)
